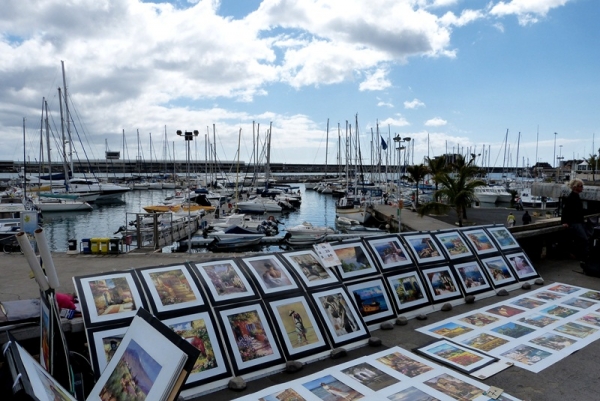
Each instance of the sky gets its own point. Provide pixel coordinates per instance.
(513, 81)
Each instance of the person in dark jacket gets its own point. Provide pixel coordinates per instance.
(526, 218)
(573, 219)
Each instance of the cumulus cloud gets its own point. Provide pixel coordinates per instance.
(435, 122)
(413, 104)
(527, 11)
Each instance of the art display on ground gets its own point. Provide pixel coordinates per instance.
(392, 374)
(533, 330)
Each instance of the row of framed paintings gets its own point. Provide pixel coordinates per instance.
(177, 290)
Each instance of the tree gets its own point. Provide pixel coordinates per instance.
(416, 174)
(457, 190)
(592, 161)
(437, 166)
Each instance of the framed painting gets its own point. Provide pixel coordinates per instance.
(171, 289)
(298, 326)
(250, 340)
(521, 265)
(355, 260)
(499, 271)
(344, 324)
(225, 282)
(329, 387)
(503, 238)
(371, 300)
(442, 283)
(472, 277)
(453, 244)
(480, 241)
(102, 344)
(407, 290)
(424, 248)
(271, 275)
(109, 298)
(199, 330)
(389, 252)
(46, 334)
(307, 266)
(456, 356)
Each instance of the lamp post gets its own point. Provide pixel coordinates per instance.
(554, 155)
(188, 136)
(401, 164)
(558, 163)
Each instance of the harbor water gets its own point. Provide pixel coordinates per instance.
(105, 219)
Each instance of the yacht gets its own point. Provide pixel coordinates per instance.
(485, 194)
(106, 190)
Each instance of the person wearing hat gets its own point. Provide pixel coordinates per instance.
(300, 329)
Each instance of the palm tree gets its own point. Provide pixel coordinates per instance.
(457, 188)
(592, 161)
(416, 174)
(437, 166)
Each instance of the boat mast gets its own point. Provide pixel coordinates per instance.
(48, 144)
(326, 148)
(237, 173)
(62, 127)
(70, 159)
(41, 165)
(268, 167)
(24, 164)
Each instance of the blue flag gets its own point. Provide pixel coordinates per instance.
(383, 144)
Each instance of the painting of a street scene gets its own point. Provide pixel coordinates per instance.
(173, 287)
(112, 296)
(403, 364)
(133, 376)
(110, 345)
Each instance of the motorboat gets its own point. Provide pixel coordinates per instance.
(297, 240)
(61, 205)
(307, 228)
(346, 208)
(106, 190)
(228, 244)
(259, 205)
(503, 195)
(485, 194)
(529, 200)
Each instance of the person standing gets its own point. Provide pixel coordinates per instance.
(573, 219)
(510, 220)
(526, 218)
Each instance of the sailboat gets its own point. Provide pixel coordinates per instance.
(352, 207)
(52, 202)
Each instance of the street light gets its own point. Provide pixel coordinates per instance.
(188, 136)
(558, 163)
(399, 141)
(554, 156)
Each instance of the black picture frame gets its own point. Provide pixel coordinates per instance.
(271, 277)
(454, 245)
(245, 326)
(225, 282)
(103, 342)
(109, 298)
(472, 277)
(309, 270)
(503, 238)
(390, 253)
(200, 330)
(442, 283)
(424, 248)
(342, 321)
(371, 299)
(456, 356)
(172, 290)
(299, 328)
(408, 290)
(480, 241)
(355, 260)
(521, 265)
(499, 271)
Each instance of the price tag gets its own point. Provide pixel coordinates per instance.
(494, 392)
(327, 255)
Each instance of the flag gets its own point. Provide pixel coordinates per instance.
(383, 144)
